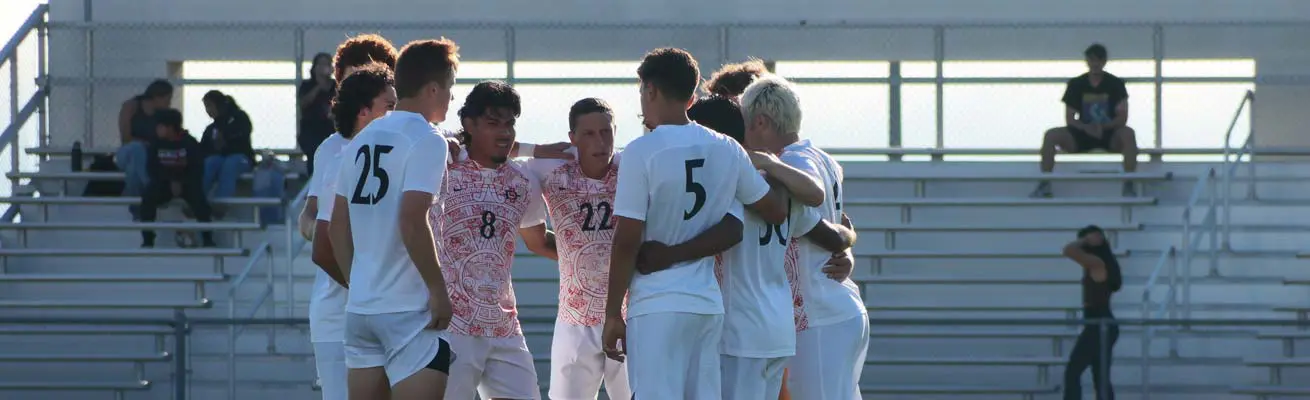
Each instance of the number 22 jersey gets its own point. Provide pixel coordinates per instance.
(481, 212)
(398, 153)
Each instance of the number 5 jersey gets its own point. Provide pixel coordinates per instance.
(481, 213)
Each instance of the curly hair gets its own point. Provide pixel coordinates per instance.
(484, 97)
(356, 93)
(731, 79)
(362, 50)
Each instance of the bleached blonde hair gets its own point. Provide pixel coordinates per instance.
(776, 98)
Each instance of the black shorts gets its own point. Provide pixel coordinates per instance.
(1085, 142)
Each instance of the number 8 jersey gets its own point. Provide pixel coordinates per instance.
(481, 212)
(397, 153)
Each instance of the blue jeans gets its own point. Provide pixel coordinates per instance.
(226, 169)
(131, 159)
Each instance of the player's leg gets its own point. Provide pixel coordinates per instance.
(467, 366)
(577, 364)
(784, 394)
(773, 376)
(510, 373)
(420, 359)
(330, 363)
(365, 357)
(657, 347)
(825, 363)
(705, 375)
(1053, 141)
(743, 378)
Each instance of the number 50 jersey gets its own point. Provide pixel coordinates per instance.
(397, 153)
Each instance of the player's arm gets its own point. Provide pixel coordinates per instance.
(553, 150)
(803, 187)
(340, 234)
(540, 241)
(322, 253)
(655, 256)
(753, 191)
(424, 171)
(306, 219)
(631, 202)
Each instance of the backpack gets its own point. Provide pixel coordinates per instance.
(103, 188)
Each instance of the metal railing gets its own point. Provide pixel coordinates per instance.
(295, 243)
(1169, 305)
(1233, 159)
(21, 110)
(1192, 236)
(264, 251)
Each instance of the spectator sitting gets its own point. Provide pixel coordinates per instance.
(226, 143)
(1096, 115)
(136, 129)
(174, 164)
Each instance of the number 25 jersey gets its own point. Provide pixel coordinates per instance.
(397, 153)
(481, 212)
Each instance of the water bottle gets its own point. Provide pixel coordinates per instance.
(77, 156)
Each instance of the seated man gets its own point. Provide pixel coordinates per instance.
(136, 128)
(1096, 114)
(175, 164)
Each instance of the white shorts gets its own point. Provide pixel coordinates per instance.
(330, 361)
(577, 365)
(492, 367)
(829, 360)
(747, 378)
(674, 356)
(395, 341)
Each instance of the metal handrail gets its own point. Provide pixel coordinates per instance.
(1230, 164)
(1190, 239)
(35, 19)
(295, 243)
(262, 251)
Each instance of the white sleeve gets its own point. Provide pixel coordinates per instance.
(798, 161)
(541, 167)
(632, 195)
(319, 186)
(327, 196)
(737, 210)
(535, 214)
(344, 172)
(803, 219)
(426, 166)
(751, 187)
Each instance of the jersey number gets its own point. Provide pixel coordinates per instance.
(694, 188)
(771, 231)
(590, 223)
(372, 162)
(836, 195)
(488, 228)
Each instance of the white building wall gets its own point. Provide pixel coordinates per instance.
(133, 52)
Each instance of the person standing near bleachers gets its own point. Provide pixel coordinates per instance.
(226, 142)
(314, 97)
(363, 67)
(1096, 117)
(832, 320)
(175, 163)
(1101, 278)
(136, 129)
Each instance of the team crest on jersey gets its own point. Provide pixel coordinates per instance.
(583, 213)
(481, 211)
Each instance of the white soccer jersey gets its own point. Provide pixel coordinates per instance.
(757, 302)
(327, 303)
(681, 180)
(397, 153)
(823, 301)
(481, 213)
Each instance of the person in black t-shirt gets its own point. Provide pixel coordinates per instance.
(1096, 114)
(175, 162)
(315, 99)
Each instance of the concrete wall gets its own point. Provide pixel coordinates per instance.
(804, 32)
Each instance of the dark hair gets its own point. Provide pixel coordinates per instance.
(425, 61)
(674, 72)
(484, 97)
(732, 79)
(319, 58)
(361, 50)
(1113, 274)
(357, 92)
(721, 114)
(226, 104)
(169, 117)
(1097, 51)
(587, 106)
(158, 88)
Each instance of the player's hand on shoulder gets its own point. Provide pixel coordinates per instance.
(762, 160)
(614, 337)
(439, 307)
(453, 146)
(553, 150)
(653, 257)
(838, 267)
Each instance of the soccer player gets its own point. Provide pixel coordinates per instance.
(390, 178)
(488, 201)
(757, 330)
(369, 96)
(580, 198)
(731, 79)
(831, 348)
(674, 183)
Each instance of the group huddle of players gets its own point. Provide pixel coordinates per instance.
(709, 260)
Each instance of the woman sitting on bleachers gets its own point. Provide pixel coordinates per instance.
(226, 143)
